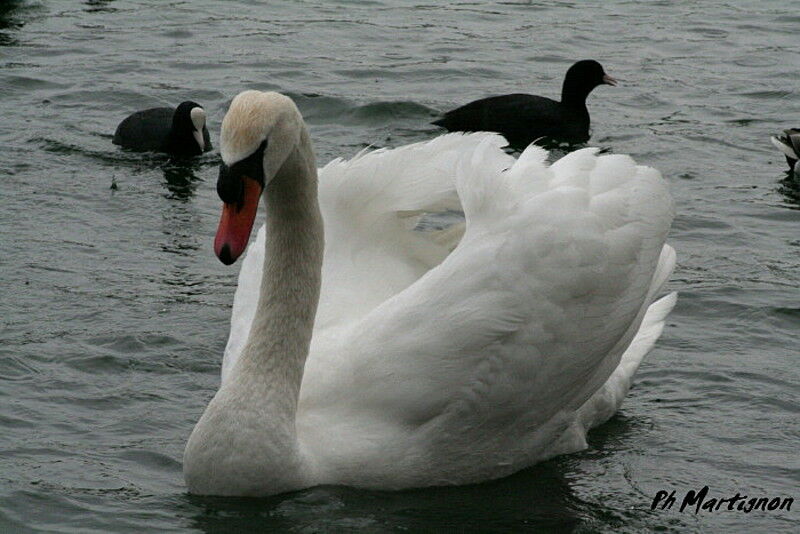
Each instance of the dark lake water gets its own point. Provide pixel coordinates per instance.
(115, 311)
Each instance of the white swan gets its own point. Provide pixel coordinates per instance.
(428, 365)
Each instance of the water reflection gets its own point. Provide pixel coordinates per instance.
(543, 495)
(790, 188)
(99, 6)
(10, 21)
(552, 496)
(180, 178)
(540, 495)
(180, 223)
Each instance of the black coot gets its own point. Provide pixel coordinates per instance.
(179, 132)
(789, 144)
(522, 118)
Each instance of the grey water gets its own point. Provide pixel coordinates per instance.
(115, 311)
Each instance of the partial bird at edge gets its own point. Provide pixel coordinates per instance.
(789, 144)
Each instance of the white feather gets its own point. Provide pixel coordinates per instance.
(430, 366)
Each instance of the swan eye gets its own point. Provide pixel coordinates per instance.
(230, 187)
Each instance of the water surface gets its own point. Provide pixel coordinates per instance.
(115, 312)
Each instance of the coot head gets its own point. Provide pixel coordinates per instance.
(188, 123)
(581, 78)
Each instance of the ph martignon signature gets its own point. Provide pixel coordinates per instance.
(699, 500)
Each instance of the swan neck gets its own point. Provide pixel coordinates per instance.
(246, 442)
(279, 341)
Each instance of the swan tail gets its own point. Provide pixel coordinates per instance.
(606, 401)
(666, 264)
(646, 337)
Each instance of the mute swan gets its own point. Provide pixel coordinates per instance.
(523, 119)
(426, 366)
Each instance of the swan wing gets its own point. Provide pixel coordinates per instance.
(370, 205)
(494, 350)
(419, 176)
(245, 301)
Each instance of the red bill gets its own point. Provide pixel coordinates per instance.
(236, 223)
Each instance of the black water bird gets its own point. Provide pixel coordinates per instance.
(789, 144)
(523, 118)
(179, 132)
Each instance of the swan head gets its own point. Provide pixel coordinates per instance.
(259, 131)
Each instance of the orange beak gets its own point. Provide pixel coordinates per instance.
(236, 223)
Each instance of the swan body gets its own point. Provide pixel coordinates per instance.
(433, 357)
